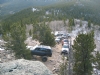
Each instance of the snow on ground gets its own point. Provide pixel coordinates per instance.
(34, 9)
(31, 42)
(2, 49)
(78, 29)
(84, 29)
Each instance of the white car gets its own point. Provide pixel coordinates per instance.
(64, 36)
(65, 41)
(65, 49)
(98, 72)
(1, 49)
(95, 70)
(57, 39)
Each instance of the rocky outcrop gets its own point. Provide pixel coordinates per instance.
(6, 55)
(24, 67)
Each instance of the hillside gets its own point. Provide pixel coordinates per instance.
(86, 10)
(31, 25)
(8, 7)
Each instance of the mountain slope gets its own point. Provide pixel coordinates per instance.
(12, 6)
(59, 11)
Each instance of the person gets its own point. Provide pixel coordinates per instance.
(62, 42)
(57, 42)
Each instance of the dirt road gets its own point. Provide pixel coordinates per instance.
(56, 59)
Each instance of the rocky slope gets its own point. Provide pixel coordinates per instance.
(24, 67)
(6, 55)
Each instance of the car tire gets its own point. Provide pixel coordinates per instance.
(61, 53)
(44, 59)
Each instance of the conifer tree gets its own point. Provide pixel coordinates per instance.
(42, 33)
(70, 24)
(97, 59)
(80, 23)
(64, 20)
(48, 38)
(73, 22)
(30, 32)
(89, 24)
(16, 40)
(83, 46)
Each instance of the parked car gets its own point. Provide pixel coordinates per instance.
(64, 36)
(65, 41)
(59, 35)
(57, 39)
(65, 49)
(42, 50)
(95, 70)
(98, 72)
(94, 64)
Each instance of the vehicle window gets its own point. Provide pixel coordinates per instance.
(45, 50)
(37, 49)
(42, 49)
(48, 50)
(65, 46)
(65, 40)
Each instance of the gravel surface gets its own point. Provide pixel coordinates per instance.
(56, 59)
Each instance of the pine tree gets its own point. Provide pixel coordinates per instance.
(73, 22)
(0, 29)
(48, 39)
(30, 32)
(97, 59)
(70, 24)
(83, 46)
(89, 24)
(16, 42)
(80, 23)
(64, 20)
(45, 35)
(63, 66)
(42, 33)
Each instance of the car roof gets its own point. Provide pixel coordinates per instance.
(65, 46)
(44, 46)
(40, 46)
(65, 39)
(32, 48)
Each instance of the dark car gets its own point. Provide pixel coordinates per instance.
(41, 50)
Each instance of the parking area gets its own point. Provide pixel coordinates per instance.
(53, 63)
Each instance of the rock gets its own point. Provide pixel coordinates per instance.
(0, 60)
(55, 70)
(51, 60)
(55, 74)
(24, 67)
(59, 61)
(8, 56)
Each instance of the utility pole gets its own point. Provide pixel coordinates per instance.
(70, 58)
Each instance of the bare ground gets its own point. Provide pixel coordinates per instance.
(56, 59)
(53, 62)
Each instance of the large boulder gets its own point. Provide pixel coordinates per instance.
(24, 67)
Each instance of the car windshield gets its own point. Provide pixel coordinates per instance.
(65, 46)
(58, 38)
(65, 40)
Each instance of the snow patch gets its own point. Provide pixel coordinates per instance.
(34, 9)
